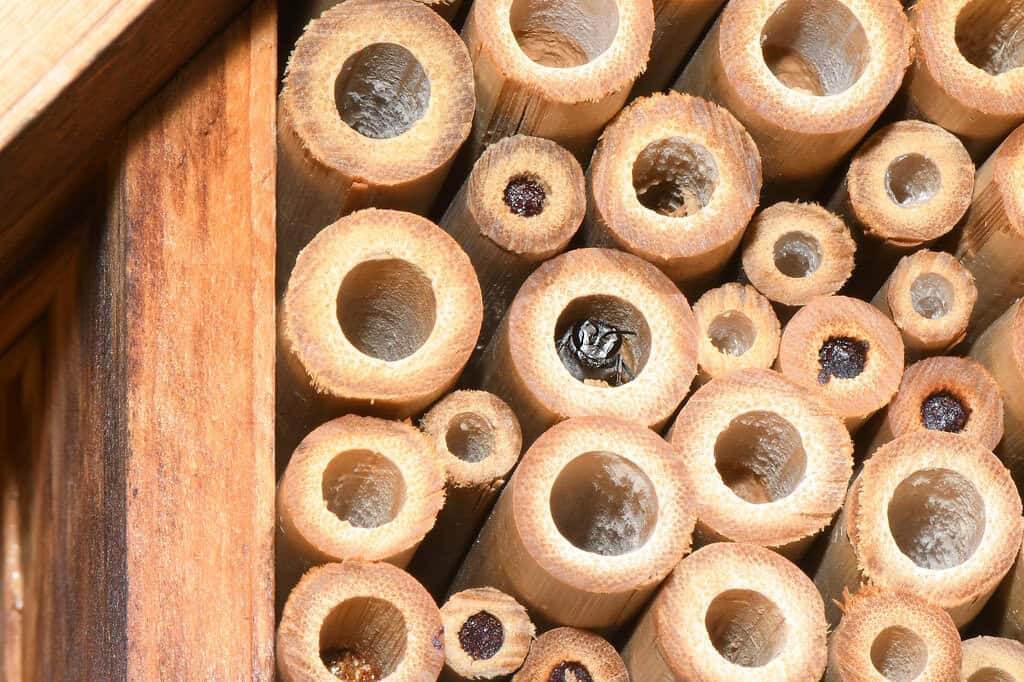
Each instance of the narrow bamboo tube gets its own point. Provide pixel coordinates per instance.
(846, 351)
(964, 76)
(357, 618)
(487, 635)
(807, 78)
(1006, 608)
(559, 70)
(992, 659)
(477, 437)
(523, 365)
(931, 513)
(594, 518)
(678, 25)
(571, 655)
(731, 611)
(674, 180)
(738, 330)
(893, 636)
(772, 464)
(522, 203)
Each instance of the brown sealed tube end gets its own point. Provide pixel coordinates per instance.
(738, 330)
(992, 659)
(731, 611)
(678, 25)
(894, 635)
(806, 78)
(674, 180)
(772, 464)
(931, 513)
(554, 70)
(596, 515)
(847, 352)
(571, 655)
(487, 635)
(359, 618)
(594, 332)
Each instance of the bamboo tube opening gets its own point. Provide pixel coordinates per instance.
(992, 659)
(740, 329)
(564, 34)
(992, 675)
(899, 654)
(525, 195)
(944, 411)
(362, 638)
(932, 295)
(487, 634)
(589, 327)
(843, 357)
(746, 627)
(470, 437)
(675, 177)
(481, 636)
(363, 488)
(797, 254)
(760, 456)
(382, 90)
(732, 333)
(912, 179)
(990, 35)
(571, 655)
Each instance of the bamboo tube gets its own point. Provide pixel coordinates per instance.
(738, 330)
(559, 70)
(447, 9)
(1006, 608)
(522, 203)
(807, 78)
(616, 290)
(992, 659)
(565, 538)
(771, 463)
(571, 655)
(678, 26)
(674, 180)
(477, 437)
(359, 621)
(731, 611)
(931, 513)
(487, 635)
(847, 352)
(964, 76)
(893, 636)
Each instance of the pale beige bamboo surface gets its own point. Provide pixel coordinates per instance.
(675, 180)
(810, 339)
(522, 364)
(678, 25)
(738, 330)
(832, 67)
(964, 76)
(446, 8)
(554, 70)
(594, 518)
(731, 611)
(992, 659)
(931, 513)
(378, 614)
(487, 635)
(893, 636)
(1006, 608)
(770, 464)
(567, 654)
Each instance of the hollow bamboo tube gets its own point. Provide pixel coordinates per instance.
(565, 537)
(571, 655)
(738, 330)
(731, 611)
(558, 70)
(674, 180)
(772, 464)
(522, 203)
(992, 659)
(678, 26)
(477, 437)
(359, 617)
(847, 352)
(523, 365)
(931, 513)
(445, 8)
(806, 78)
(1006, 608)
(793, 252)
(487, 635)
(893, 636)
(964, 76)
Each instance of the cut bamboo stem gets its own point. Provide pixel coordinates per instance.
(1006, 608)
(931, 513)
(738, 330)
(678, 26)
(992, 659)
(487, 635)
(359, 621)
(847, 352)
(565, 536)
(807, 78)
(445, 8)
(554, 331)
(731, 611)
(571, 655)
(674, 180)
(558, 70)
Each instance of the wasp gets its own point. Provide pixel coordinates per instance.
(592, 349)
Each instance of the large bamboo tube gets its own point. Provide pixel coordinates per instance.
(807, 78)
(1006, 608)
(594, 518)
(559, 70)
(487, 635)
(678, 26)
(731, 611)
(571, 655)
(931, 513)
(555, 354)
(674, 180)
(992, 659)
(738, 330)
(359, 621)
(893, 636)
(847, 352)
(771, 463)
